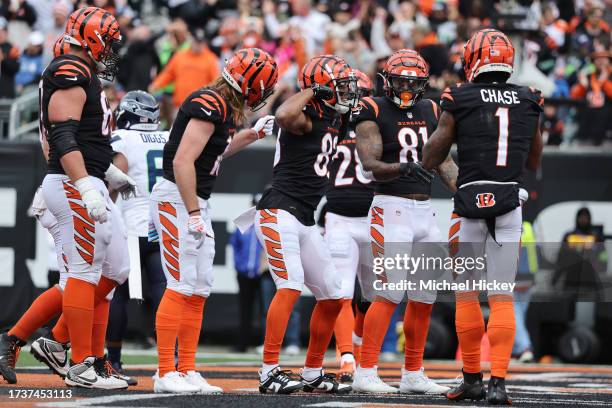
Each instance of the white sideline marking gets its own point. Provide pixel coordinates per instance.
(336, 404)
(247, 389)
(106, 400)
(589, 385)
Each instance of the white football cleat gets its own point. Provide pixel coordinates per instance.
(367, 380)
(51, 353)
(196, 379)
(173, 382)
(418, 383)
(85, 375)
(325, 383)
(279, 382)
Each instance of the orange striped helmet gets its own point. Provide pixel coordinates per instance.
(60, 47)
(333, 72)
(97, 32)
(405, 77)
(364, 84)
(253, 73)
(488, 50)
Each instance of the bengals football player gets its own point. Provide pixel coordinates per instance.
(391, 131)
(308, 123)
(203, 132)
(75, 121)
(349, 196)
(496, 127)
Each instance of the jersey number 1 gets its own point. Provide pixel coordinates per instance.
(502, 141)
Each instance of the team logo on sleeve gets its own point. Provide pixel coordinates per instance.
(485, 200)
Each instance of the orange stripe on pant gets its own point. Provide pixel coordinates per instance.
(272, 242)
(170, 239)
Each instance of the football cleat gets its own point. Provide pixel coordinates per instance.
(51, 353)
(279, 382)
(195, 378)
(105, 368)
(173, 382)
(418, 383)
(325, 383)
(496, 394)
(367, 380)
(9, 352)
(345, 375)
(118, 372)
(85, 375)
(468, 389)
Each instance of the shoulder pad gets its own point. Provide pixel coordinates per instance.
(206, 104)
(64, 72)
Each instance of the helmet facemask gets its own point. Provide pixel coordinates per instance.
(109, 57)
(259, 103)
(405, 90)
(347, 94)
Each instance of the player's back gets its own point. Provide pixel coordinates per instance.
(495, 124)
(144, 153)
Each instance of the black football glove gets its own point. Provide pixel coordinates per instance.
(322, 92)
(417, 171)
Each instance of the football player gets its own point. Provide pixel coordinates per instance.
(138, 147)
(496, 128)
(297, 254)
(76, 121)
(202, 134)
(349, 196)
(391, 131)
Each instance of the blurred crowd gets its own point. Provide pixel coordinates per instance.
(175, 46)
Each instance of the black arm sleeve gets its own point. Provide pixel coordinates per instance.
(62, 136)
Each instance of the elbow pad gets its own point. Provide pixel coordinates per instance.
(62, 136)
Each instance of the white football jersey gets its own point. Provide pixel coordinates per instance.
(144, 153)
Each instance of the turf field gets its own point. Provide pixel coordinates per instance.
(530, 385)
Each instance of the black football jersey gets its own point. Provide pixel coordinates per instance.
(494, 127)
(349, 192)
(301, 163)
(93, 138)
(404, 133)
(207, 105)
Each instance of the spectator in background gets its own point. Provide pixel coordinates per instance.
(313, 24)
(188, 69)
(60, 12)
(31, 62)
(406, 19)
(595, 87)
(551, 126)
(357, 53)
(427, 44)
(140, 63)
(591, 30)
(247, 262)
(9, 62)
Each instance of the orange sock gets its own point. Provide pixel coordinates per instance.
(375, 327)
(501, 330)
(470, 329)
(60, 330)
(167, 323)
(78, 308)
(189, 332)
(358, 330)
(416, 327)
(44, 308)
(322, 322)
(343, 329)
(100, 322)
(276, 323)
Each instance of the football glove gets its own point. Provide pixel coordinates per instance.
(264, 126)
(322, 92)
(417, 171)
(121, 182)
(196, 227)
(93, 200)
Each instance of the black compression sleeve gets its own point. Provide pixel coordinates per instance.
(62, 136)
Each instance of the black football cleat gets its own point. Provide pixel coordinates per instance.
(471, 388)
(325, 383)
(497, 395)
(279, 382)
(9, 352)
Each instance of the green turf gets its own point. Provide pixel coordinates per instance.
(26, 360)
